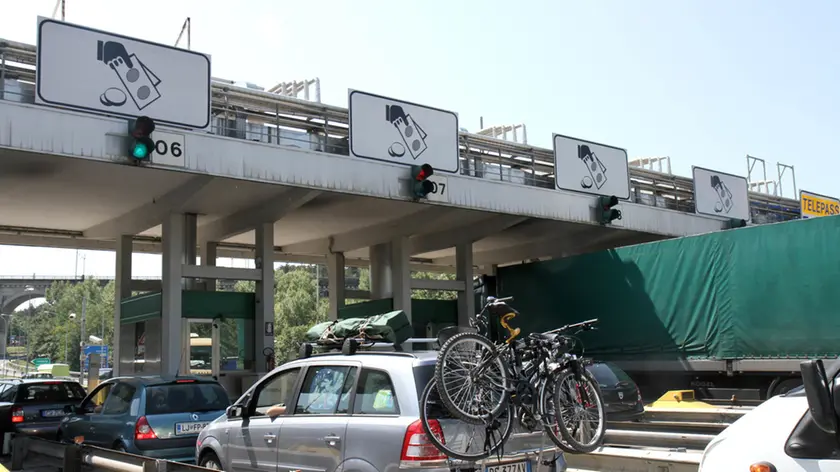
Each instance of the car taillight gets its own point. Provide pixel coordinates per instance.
(416, 445)
(142, 430)
(17, 415)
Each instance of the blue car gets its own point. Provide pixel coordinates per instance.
(155, 416)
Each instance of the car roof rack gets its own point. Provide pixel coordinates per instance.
(352, 345)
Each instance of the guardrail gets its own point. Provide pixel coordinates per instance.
(32, 453)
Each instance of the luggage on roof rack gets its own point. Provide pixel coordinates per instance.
(392, 327)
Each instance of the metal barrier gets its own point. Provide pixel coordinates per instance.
(634, 460)
(32, 453)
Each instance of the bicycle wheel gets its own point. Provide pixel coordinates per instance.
(458, 439)
(581, 408)
(548, 412)
(471, 385)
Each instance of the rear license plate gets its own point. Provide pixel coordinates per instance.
(52, 413)
(522, 466)
(190, 428)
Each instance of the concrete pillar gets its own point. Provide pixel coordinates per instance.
(209, 254)
(464, 272)
(190, 245)
(174, 255)
(122, 290)
(337, 284)
(401, 275)
(380, 271)
(264, 260)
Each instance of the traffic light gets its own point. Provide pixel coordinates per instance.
(736, 223)
(606, 211)
(141, 144)
(420, 183)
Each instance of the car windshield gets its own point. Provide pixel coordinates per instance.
(59, 392)
(192, 397)
(608, 375)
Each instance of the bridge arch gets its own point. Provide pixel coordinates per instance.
(10, 302)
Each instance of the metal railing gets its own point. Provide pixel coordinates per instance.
(32, 453)
(272, 118)
(69, 277)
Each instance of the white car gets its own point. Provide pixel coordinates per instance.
(791, 432)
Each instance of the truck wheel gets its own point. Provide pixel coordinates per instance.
(779, 386)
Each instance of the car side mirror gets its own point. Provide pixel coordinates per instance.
(818, 390)
(235, 411)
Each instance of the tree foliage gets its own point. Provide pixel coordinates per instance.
(50, 331)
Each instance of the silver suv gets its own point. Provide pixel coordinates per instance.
(347, 413)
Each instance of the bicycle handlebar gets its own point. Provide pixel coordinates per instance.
(494, 300)
(583, 324)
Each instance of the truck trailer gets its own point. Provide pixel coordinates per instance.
(725, 313)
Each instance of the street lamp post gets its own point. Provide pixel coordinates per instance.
(82, 338)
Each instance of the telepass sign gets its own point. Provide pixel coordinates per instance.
(813, 205)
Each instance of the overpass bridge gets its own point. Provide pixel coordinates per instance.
(272, 178)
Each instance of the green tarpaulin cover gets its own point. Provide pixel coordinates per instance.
(392, 327)
(765, 291)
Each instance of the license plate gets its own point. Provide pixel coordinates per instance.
(52, 413)
(190, 428)
(522, 466)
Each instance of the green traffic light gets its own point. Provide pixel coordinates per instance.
(140, 151)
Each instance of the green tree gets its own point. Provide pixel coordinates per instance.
(296, 308)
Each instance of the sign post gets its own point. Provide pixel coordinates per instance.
(95, 71)
(720, 194)
(391, 130)
(589, 167)
(813, 205)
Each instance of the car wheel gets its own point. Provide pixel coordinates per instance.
(210, 461)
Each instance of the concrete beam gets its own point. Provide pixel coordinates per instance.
(567, 245)
(463, 234)
(268, 211)
(431, 284)
(151, 214)
(147, 245)
(412, 223)
(223, 273)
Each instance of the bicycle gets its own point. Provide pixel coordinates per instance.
(523, 374)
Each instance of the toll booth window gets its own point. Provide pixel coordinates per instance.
(185, 397)
(119, 401)
(322, 389)
(50, 392)
(277, 391)
(375, 394)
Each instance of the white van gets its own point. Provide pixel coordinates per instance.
(797, 431)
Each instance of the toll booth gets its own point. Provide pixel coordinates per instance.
(218, 332)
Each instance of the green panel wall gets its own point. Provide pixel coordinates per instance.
(194, 304)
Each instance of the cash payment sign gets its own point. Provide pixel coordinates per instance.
(813, 205)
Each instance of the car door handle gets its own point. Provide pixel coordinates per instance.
(332, 439)
(269, 437)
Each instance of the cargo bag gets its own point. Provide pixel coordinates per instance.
(392, 327)
(318, 331)
(347, 328)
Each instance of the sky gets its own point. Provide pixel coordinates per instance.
(704, 82)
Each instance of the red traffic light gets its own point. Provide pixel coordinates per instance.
(424, 173)
(609, 202)
(143, 126)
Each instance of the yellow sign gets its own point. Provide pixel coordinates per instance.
(813, 205)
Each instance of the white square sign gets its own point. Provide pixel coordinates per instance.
(588, 167)
(720, 194)
(105, 73)
(391, 130)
